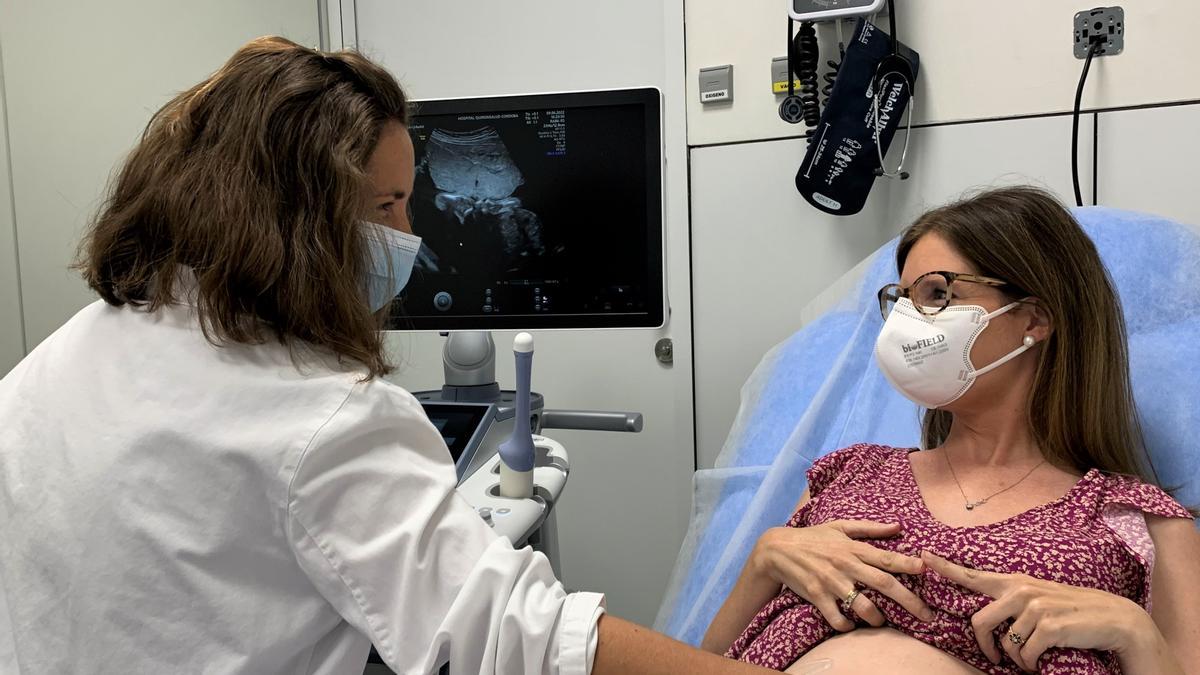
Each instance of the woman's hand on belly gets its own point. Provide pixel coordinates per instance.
(878, 650)
(824, 563)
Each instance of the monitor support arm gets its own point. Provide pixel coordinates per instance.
(469, 365)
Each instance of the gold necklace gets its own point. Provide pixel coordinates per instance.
(970, 505)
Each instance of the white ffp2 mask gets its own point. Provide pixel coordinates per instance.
(928, 358)
(393, 254)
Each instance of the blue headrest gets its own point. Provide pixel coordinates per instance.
(1155, 266)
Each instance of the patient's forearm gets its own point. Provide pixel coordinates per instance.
(753, 589)
(628, 649)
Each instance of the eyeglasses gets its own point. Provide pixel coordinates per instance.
(932, 292)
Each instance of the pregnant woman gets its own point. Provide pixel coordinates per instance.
(1029, 535)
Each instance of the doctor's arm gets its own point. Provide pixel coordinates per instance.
(376, 524)
(628, 649)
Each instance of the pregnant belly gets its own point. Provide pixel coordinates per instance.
(878, 650)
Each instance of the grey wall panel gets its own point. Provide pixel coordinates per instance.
(12, 332)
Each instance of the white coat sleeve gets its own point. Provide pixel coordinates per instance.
(376, 524)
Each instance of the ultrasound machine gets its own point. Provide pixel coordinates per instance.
(536, 212)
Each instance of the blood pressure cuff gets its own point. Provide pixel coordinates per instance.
(840, 165)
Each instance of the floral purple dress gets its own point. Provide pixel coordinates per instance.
(1094, 536)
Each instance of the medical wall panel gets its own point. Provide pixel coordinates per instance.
(1147, 162)
(625, 509)
(978, 60)
(82, 80)
(12, 335)
(760, 253)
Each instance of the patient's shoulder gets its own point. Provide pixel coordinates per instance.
(846, 463)
(1130, 491)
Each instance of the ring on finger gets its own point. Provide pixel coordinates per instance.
(850, 598)
(1016, 638)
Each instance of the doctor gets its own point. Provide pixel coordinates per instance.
(205, 471)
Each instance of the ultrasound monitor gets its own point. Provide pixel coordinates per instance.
(537, 212)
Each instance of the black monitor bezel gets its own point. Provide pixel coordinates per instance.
(651, 100)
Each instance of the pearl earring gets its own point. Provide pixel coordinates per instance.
(1029, 341)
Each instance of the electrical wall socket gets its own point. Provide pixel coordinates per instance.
(1105, 25)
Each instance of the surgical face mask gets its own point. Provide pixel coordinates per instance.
(928, 358)
(393, 254)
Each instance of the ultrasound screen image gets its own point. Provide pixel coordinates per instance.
(535, 217)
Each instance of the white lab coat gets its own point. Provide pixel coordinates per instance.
(167, 506)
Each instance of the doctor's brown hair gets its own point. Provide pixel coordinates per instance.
(255, 179)
(1081, 410)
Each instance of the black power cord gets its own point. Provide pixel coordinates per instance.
(892, 27)
(802, 65)
(791, 109)
(807, 59)
(1087, 64)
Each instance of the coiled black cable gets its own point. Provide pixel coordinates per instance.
(830, 77)
(833, 67)
(806, 57)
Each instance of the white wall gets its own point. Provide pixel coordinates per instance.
(1147, 162)
(81, 80)
(12, 332)
(625, 509)
(978, 60)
